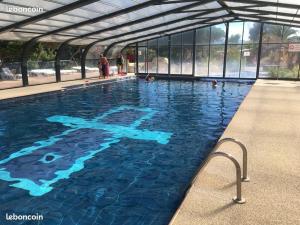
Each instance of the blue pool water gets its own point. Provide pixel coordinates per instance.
(118, 153)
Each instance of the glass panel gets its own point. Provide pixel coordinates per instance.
(272, 33)
(203, 36)
(10, 75)
(249, 61)
(187, 38)
(251, 32)
(187, 60)
(292, 34)
(233, 61)
(92, 59)
(235, 33)
(70, 64)
(269, 63)
(218, 33)
(41, 72)
(176, 39)
(216, 61)
(289, 63)
(41, 66)
(201, 67)
(152, 56)
(163, 55)
(70, 69)
(130, 58)
(176, 59)
(144, 43)
(142, 60)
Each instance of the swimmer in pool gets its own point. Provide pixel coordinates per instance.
(214, 83)
(149, 78)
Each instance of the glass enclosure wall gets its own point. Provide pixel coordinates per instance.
(228, 50)
(187, 52)
(112, 56)
(280, 49)
(41, 64)
(92, 59)
(71, 64)
(249, 53)
(142, 57)
(216, 50)
(242, 49)
(162, 59)
(131, 59)
(181, 53)
(176, 53)
(280, 52)
(152, 56)
(10, 75)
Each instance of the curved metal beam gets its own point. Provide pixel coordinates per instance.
(165, 31)
(108, 48)
(147, 39)
(161, 25)
(136, 22)
(103, 17)
(165, 13)
(266, 3)
(94, 20)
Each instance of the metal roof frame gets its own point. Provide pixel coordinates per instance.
(243, 10)
(47, 14)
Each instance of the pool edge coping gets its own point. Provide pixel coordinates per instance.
(64, 88)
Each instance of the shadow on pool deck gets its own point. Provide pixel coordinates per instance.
(268, 123)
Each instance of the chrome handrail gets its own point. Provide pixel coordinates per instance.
(245, 177)
(238, 198)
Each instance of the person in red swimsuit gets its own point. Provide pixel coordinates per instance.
(103, 66)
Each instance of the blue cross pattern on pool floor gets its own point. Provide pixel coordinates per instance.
(39, 166)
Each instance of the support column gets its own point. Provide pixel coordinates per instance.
(259, 49)
(169, 55)
(28, 46)
(194, 53)
(225, 50)
(83, 59)
(136, 58)
(57, 61)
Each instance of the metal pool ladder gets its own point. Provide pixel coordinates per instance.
(239, 176)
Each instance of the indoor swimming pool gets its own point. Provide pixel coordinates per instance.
(110, 154)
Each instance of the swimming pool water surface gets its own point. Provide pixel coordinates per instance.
(118, 153)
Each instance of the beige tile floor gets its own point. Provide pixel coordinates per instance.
(268, 123)
(38, 89)
(45, 79)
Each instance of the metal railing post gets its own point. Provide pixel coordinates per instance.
(245, 177)
(238, 198)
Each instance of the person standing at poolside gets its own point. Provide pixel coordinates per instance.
(103, 66)
(120, 63)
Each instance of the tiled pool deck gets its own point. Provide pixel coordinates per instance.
(45, 88)
(268, 123)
